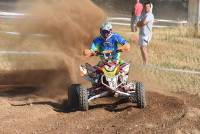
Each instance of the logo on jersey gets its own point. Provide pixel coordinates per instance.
(108, 45)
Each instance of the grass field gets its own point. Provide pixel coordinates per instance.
(173, 48)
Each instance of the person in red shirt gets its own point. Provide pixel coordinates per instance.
(137, 11)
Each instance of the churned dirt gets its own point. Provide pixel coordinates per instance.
(164, 114)
(38, 110)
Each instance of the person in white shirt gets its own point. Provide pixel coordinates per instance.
(145, 24)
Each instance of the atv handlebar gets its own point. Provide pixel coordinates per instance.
(107, 52)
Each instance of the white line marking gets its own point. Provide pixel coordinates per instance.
(171, 21)
(11, 14)
(156, 20)
(17, 33)
(118, 18)
(127, 24)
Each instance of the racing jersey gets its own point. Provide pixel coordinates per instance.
(112, 43)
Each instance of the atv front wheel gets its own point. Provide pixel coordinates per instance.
(83, 99)
(73, 99)
(78, 97)
(140, 95)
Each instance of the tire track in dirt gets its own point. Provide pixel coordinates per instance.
(167, 114)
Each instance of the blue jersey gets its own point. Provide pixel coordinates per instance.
(112, 43)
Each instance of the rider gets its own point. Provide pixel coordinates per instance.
(108, 41)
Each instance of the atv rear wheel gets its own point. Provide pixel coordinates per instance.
(140, 95)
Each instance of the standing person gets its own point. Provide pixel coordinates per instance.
(145, 34)
(136, 13)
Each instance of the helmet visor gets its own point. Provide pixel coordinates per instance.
(105, 33)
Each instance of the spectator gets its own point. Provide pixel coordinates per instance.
(136, 13)
(145, 24)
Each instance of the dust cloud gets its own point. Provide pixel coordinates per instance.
(70, 26)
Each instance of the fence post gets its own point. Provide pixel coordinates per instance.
(198, 17)
(194, 15)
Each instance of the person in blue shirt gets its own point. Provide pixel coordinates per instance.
(108, 41)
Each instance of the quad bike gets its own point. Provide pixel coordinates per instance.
(109, 77)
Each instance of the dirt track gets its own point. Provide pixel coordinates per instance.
(164, 114)
(29, 114)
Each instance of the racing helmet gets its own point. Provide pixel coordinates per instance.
(106, 30)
